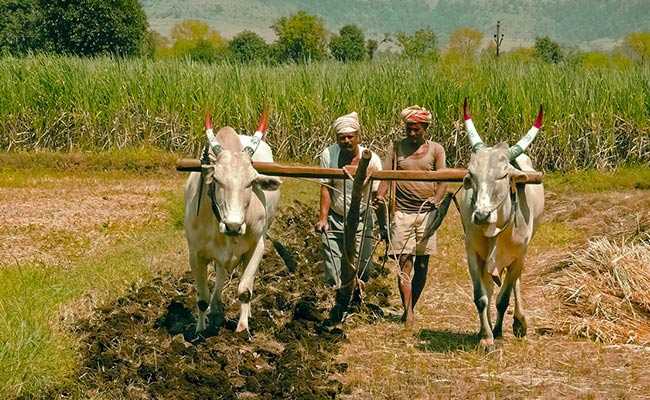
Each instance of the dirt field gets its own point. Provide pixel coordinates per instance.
(140, 344)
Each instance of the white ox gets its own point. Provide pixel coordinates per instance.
(228, 209)
(499, 218)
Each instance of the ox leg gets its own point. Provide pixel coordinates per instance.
(481, 297)
(519, 325)
(216, 316)
(245, 289)
(199, 267)
(503, 299)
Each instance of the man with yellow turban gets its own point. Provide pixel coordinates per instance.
(336, 195)
(415, 205)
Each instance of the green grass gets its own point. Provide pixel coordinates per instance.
(594, 118)
(624, 178)
(34, 351)
(138, 159)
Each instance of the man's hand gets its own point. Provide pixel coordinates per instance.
(322, 226)
(379, 201)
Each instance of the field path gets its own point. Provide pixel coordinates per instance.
(439, 358)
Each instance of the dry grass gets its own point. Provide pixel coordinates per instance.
(55, 218)
(605, 288)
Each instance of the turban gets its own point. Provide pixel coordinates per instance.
(347, 124)
(416, 114)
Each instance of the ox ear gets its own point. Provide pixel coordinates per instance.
(516, 177)
(467, 182)
(268, 183)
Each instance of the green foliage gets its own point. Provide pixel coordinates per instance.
(594, 117)
(301, 37)
(194, 40)
(638, 43)
(248, 47)
(422, 44)
(19, 26)
(349, 45)
(92, 27)
(548, 50)
(465, 43)
(574, 21)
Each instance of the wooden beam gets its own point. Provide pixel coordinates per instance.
(291, 171)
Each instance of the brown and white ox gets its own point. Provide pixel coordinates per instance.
(499, 217)
(228, 209)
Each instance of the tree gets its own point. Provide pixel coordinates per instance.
(248, 47)
(638, 43)
(465, 42)
(371, 48)
(19, 22)
(193, 39)
(301, 37)
(422, 44)
(91, 27)
(349, 45)
(548, 50)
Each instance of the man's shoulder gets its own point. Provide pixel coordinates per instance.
(436, 147)
(330, 151)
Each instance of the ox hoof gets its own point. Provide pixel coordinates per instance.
(519, 327)
(487, 345)
(244, 331)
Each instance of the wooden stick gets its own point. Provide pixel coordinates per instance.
(273, 169)
(348, 271)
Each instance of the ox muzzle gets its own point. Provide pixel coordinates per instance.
(232, 228)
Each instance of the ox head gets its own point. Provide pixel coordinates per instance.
(490, 176)
(230, 176)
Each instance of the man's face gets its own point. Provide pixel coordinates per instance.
(415, 130)
(348, 141)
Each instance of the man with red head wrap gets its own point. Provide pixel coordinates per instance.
(415, 205)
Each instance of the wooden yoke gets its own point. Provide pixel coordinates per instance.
(348, 271)
(273, 169)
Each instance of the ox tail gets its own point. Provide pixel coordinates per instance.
(288, 256)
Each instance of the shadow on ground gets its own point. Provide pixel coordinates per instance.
(446, 341)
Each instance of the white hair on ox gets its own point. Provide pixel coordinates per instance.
(228, 209)
(499, 217)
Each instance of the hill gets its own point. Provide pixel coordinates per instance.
(585, 23)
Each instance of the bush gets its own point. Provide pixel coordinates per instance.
(548, 50)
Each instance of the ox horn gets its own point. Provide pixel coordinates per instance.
(212, 139)
(524, 142)
(259, 135)
(474, 139)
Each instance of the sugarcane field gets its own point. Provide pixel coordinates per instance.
(324, 200)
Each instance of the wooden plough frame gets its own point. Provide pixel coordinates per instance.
(360, 174)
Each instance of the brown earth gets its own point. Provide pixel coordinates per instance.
(53, 220)
(142, 344)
